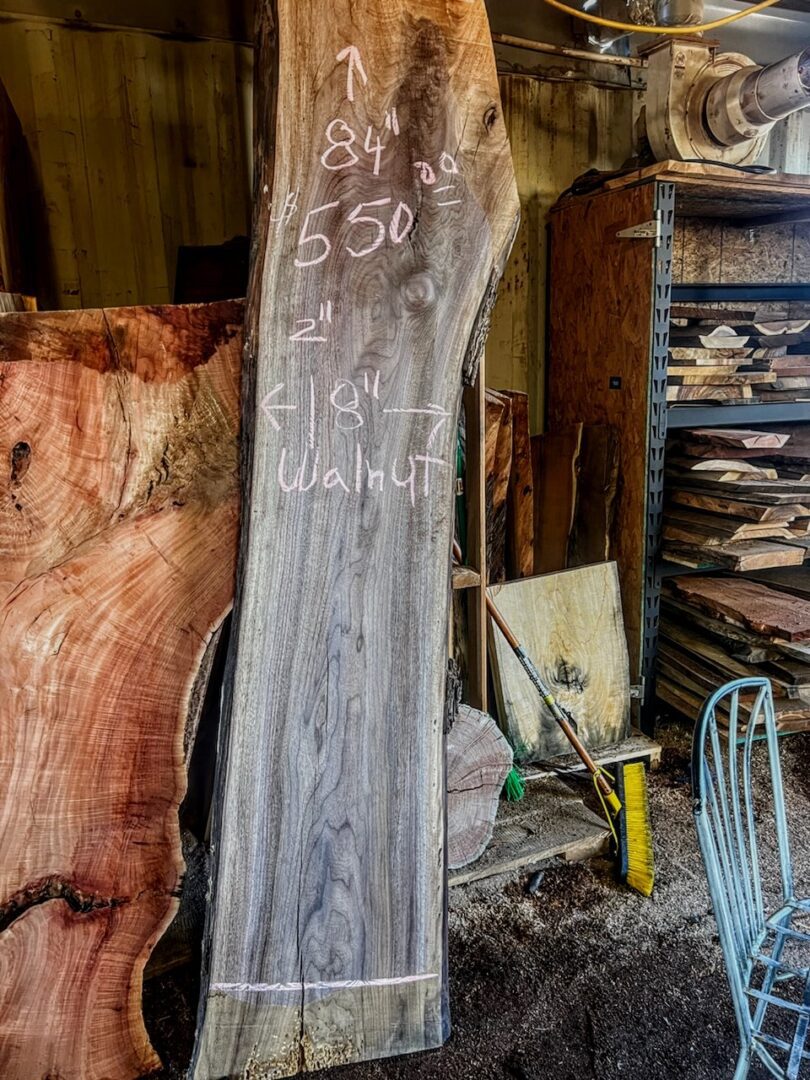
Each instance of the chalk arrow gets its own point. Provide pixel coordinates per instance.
(431, 410)
(351, 54)
(269, 407)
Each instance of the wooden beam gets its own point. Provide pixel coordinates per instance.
(393, 207)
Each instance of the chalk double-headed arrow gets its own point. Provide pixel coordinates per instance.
(430, 410)
(268, 406)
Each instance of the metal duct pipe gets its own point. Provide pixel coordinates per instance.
(747, 103)
(679, 12)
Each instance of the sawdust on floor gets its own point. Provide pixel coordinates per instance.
(581, 979)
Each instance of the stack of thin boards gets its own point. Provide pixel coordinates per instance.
(737, 498)
(736, 356)
(715, 629)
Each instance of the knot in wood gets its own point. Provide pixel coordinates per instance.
(20, 460)
(490, 117)
(419, 292)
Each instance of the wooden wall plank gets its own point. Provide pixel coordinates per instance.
(139, 144)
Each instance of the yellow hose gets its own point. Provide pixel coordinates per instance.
(635, 28)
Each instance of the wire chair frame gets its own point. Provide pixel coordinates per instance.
(752, 938)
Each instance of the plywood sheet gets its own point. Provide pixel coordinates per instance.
(571, 626)
(599, 369)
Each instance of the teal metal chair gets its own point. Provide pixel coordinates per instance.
(764, 929)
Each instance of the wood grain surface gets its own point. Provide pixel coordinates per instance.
(571, 626)
(478, 761)
(393, 206)
(749, 604)
(555, 461)
(118, 519)
(520, 493)
(599, 366)
(498, 466)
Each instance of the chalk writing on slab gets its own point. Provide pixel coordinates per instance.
(304, 237)
(430, 410)
(269, 407)
(412, 475)
(309, 326)
(354, 62)
(426, 173)
(287, 210)
(348, 157)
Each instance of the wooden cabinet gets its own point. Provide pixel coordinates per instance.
(620, 256)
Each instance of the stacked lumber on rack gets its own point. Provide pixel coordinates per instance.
(736, 356)
(715, 629)
(738, 498)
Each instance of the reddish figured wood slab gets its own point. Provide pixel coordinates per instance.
(746, 603)
(118, 519)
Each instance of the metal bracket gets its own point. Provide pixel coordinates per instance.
(647, 230)
(637, 692)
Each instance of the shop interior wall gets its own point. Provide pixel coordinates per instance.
(139, 142)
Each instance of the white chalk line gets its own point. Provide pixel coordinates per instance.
(297, 987)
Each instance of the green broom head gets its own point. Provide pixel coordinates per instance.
(634, 862)
(514, 787)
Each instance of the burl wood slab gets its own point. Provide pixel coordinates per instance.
(749, 604)
(118, 518)
(393, 205)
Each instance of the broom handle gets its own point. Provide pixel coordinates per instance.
(543, 690)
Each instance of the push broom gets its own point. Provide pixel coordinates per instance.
(626, 807)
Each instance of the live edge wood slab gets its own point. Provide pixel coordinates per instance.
(393, 207)
(118, 522)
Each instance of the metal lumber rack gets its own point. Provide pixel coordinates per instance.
(620, 256)
(689, 416)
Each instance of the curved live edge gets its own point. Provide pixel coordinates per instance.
(375, 266)
(118, 522)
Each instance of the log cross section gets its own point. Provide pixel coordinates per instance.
(393, 207)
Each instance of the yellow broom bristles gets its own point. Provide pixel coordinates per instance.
(640, 868)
